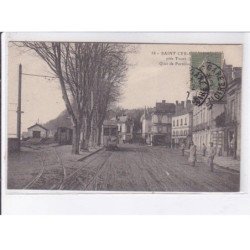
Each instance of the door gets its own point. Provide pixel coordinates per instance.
(36, 134)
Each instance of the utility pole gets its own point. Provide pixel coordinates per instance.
(19, 107)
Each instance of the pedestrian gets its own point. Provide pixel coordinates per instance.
(182, 149)
(192, 154)
(212, 153)
(204, 149)
(232, 147)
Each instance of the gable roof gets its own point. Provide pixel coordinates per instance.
(37, 125)
(163, 107)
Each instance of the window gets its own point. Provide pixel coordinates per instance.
(185, 121)
(177, 123)
(173, 123)
(181, 122)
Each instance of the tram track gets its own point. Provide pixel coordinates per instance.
(34, 183)
(91, 181)
(38, 176)
(77, 173)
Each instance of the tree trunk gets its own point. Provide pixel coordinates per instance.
(87, 135)
(76, 139)
(99, 135)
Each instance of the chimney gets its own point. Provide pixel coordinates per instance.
(176, 103)
(164, 101)
(237, 72)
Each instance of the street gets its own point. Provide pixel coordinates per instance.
(131, 168)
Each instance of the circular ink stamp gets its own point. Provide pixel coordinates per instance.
(199, 86)
(217, 82)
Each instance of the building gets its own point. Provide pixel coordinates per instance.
(146, 122)
(209, 126)
(162, 123)
(37, 131)
(233, 112)
(125, 128)
(182, 123)
(221, 123)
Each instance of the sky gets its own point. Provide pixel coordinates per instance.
(157, 72)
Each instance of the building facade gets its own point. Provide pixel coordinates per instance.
(37, 131)
(221, 123)
(233, 114)
(161, 129)
(182, 123)
(207, 126)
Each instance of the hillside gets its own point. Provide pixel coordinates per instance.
(63, 120)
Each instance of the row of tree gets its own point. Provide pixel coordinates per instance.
(90, 76)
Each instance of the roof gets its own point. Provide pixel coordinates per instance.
(37, 125)
(164, 107)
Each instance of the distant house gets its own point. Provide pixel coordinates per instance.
(162, 123)
(37, 131)
(125, 127)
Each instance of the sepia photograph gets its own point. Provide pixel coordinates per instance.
(124, 117)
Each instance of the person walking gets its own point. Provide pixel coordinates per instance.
(204, 149)
(182, 149)
(192, 154)
(212, 153)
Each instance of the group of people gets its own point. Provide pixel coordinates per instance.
(193, 154)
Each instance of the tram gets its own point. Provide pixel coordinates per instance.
(110, 137)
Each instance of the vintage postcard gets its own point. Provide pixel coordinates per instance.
(127, 117)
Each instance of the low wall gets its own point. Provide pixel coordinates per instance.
(13, 145)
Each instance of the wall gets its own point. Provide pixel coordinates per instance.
(37, 128)
(13, 145)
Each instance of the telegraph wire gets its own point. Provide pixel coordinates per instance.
(42, 76)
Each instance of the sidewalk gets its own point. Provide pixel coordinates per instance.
(226, 162)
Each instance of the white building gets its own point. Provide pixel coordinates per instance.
(146, 121)
(37, 131)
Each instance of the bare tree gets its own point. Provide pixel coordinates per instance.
(110, 75)
(90, 75)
